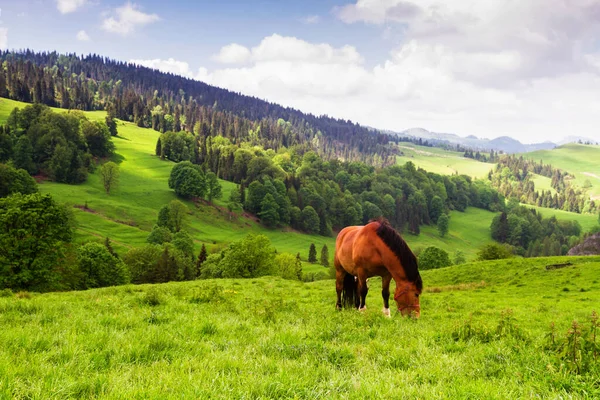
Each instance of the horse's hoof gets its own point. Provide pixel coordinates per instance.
(363, 308)
(386, 312)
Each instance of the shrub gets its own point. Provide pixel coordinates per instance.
(494, 251)
(433, 257)
(100, 268)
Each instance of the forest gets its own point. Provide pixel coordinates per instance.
(167, 102)
(512, 176)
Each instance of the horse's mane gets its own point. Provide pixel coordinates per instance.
(400, 248)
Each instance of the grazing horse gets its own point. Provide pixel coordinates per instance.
(376, 249)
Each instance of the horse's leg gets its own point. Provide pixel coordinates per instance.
(385, 293)
(339, 283)
(362, 289)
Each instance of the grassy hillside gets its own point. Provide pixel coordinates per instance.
(129, 212)
(579, 160)
(484, 333)
(442, 162)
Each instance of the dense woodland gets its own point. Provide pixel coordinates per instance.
(60, 146)
(512, 176)
(167, 102)
(531, 234)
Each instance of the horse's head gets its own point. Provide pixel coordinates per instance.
(407, 299)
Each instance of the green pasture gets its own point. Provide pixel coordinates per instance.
(542, 183)
(441, 161)
(577, 159)
(587, 221)
(484, 332)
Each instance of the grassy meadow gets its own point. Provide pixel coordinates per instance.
(485, 332)
(128, 213)
(577, 159)
(441, 161)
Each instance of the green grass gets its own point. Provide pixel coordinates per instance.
(579, 160)
(482, 334)
(441, 161)
(587, 221)
(543, 183)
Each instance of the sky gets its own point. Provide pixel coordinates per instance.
(528, 69)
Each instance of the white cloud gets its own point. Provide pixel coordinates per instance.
(126, 19)
(477, 68)
(3, 38)
(232, 54)
(311, 19)
(82, 36)
(173, 66)
(68, 6)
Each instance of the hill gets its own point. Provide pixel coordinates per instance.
(487, 330)
(127, 215)
(577, 159)
(440, 161)
(503, 143)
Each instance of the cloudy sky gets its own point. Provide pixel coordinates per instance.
(529, 69)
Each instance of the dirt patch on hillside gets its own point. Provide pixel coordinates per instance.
(590, 174)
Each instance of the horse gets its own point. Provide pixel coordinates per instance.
(376, 249)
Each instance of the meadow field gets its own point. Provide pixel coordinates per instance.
(441, 161)
(494, 330)
(577, 159)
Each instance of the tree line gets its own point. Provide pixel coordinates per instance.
(60, 146)
(167, 102)
(531, 235)
(513, 177)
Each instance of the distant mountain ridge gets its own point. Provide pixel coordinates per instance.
(502, 143)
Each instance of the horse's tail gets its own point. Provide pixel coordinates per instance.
(350, 297)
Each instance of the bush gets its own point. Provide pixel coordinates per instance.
(433, 257)
(288, 266)
(494, 251)
(100, 268)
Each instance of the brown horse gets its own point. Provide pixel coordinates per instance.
(376, 249)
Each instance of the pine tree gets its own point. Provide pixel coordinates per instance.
(325, 256)
(110, 248)
(312, 253)
(201, 258)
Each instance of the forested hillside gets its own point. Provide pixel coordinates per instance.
(168, 102)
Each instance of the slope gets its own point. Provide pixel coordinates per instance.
(577, 159)
(486, 331)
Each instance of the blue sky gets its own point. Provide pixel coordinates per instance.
(529, 69)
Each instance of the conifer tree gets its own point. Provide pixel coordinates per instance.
(312, 253)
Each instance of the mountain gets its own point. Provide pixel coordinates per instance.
(577, 139)
(503, 143)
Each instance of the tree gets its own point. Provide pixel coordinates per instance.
(98, 138)
(100, 268)
(250, 257)
(442, 224)
(187, 180)
(201, 258)
(436, 209)
(109, 175)
(33, 231)
(111, 124)
(159, 235)
(287, 266)
(213, 187)
(235, 202)
(325, 256)
(184, 243)
(110, 248)
(23, 154)
(310, 220)
(312, 253)
(15, 181)
(268, 214)
(493, 251)
(459, 258)
(433, 257)
(143, 262)
(178, 213)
